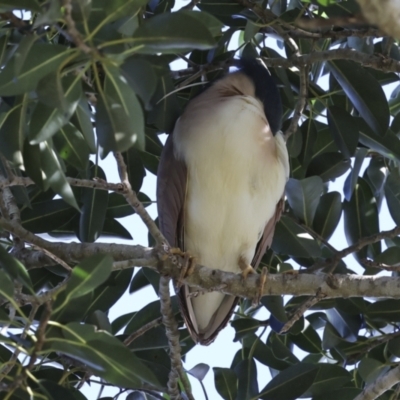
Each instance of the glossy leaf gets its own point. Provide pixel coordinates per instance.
(173, 32)
(199, 371)
(290, 383)
(6, 286)
(119, 116)
(364, 92)
(14, 268)
(55, 176)
(47, 120)
(246, 372)
(344, 130)
(351, 179)
(88, 275)
(105, 355)
(361, 216)
(303, 197)
(72, 147)
(327, 214)
(291, 239)
(392, 192)
(226, 383)
(94, 208)
(328, 166)
(43, 59)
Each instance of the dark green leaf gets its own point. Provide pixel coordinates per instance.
(290, 383)
(308, 340)
(329, 376)
(94, 208)
(55, 176)
(347, 325)
(344, 130)
(303, 197)
(119, 116)
(392, 192)
(72, 147)
(328, 214)
(13, 130)
(47, 120)
(14, 268)
(361, 217)
(365, 93)
(43, 59)
(328, 166)
(244, 327)
(173, 33)
(47, 216)
(351, 179)
(384, 310)
(390, 256)
(88, 275)
(103, 353)
(292, 240)
(119, 208)
(20, 5)
(370, 369)
(226, 383)
(246, 372)
(136, 171)
(6, 286)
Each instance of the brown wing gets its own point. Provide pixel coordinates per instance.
(171, 188)
(266, 239)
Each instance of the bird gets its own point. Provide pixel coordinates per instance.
(220, 185)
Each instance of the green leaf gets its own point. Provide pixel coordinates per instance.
(118, 207)
(82, 120)
(199, 371)
(384, 310)
(392, 192)
(351, 179)
(292, 240)
(72, 147)
(328, 166)
(47, 216)
(329, 376)
(13, 130)
(244, 327)
(15, 268)
(136, 171)
(176, 32)
(361, 217)
(347, 325)
(390, 256)
(142, 78)
(344, 130)
(88, 275)
(226, 383)
(327, 215)
(290, 383)
(94, 208)
(308, 340)
(6, 286)
(246, 372)
(105, 355)
(387, 145)
(370, 369)
(303, 197)
(43, 59)
(365, 93)
(32, 5)
(120, 8)
(54, 174)
(47, 120)
(119, 116)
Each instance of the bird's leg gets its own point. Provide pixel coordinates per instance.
(246, 268)
(260, 287)
(189, 262)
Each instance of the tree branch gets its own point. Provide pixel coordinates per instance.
(381, 385)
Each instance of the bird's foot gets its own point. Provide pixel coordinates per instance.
(260, 287)
(189, 262)
(246, 268)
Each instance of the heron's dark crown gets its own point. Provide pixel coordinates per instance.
(266, 90)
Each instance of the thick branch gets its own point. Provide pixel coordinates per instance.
(381, 385)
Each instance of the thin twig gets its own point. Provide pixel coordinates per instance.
(172, 332)
(301, 103)
(134, 202)
(146, 327)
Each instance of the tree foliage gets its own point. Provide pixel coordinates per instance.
(81, 79)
